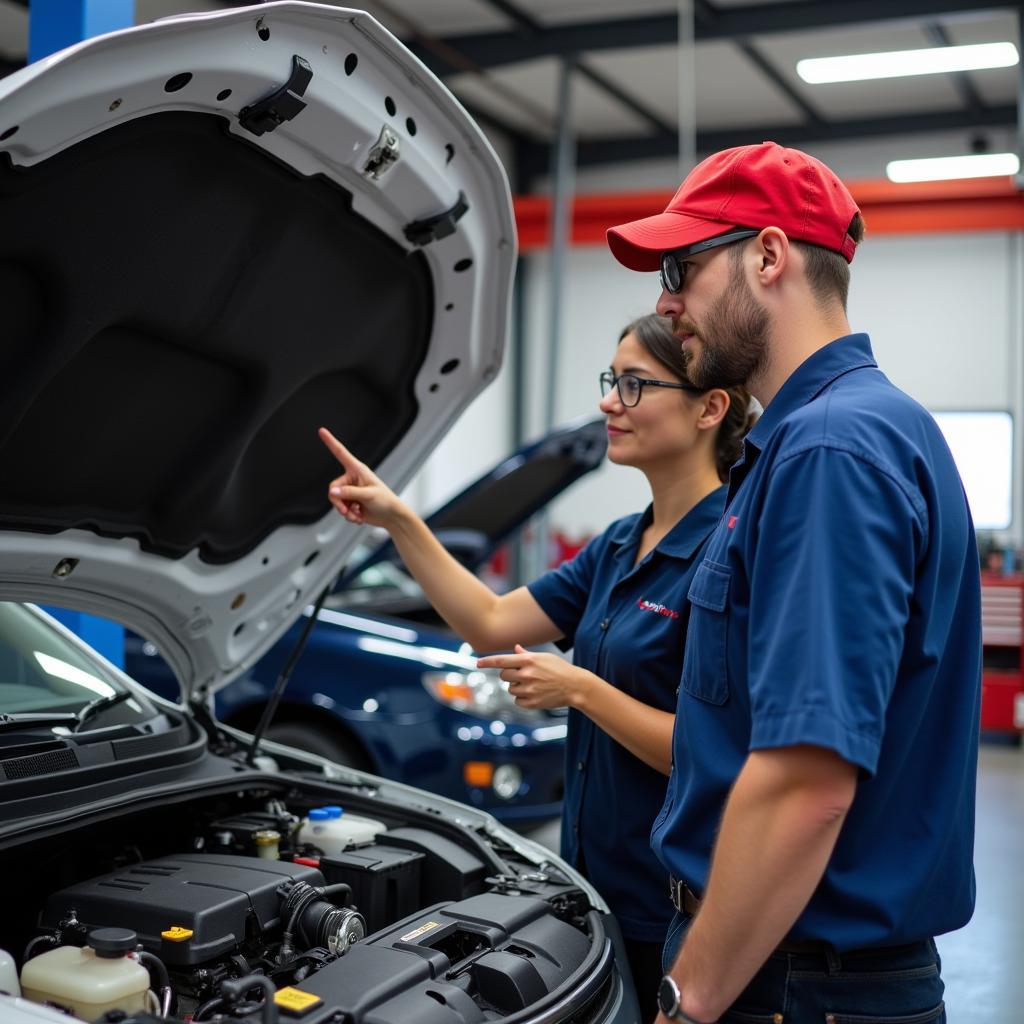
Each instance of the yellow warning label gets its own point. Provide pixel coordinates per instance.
(294, 1000)
(419, 931)
(177, 934)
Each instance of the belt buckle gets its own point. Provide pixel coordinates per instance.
(676, 887)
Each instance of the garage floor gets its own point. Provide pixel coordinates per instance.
(983, 964)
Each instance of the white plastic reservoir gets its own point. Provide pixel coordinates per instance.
(86, 982)
(8, 974)
(333, 830)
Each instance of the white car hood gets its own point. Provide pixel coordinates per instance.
(198, 268)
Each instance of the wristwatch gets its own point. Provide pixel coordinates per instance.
(668, 1001)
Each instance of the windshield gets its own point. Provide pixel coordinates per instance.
(42, 671)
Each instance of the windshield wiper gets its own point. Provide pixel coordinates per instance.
(94, 707)
(20, 721)
(76, 719)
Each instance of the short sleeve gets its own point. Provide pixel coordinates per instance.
(562, 593)
(831, 586)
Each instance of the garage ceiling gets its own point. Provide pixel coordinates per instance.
(502, 58)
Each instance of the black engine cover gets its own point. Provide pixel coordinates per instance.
(220, 899)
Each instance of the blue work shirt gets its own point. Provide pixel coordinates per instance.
(626, 623)
(838, 605)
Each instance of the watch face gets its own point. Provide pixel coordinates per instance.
(668, 997)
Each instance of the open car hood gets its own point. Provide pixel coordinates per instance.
(220, 232)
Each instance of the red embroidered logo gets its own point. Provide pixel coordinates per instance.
(732, 521)
(660, 609)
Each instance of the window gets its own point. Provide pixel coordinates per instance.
(982, 445)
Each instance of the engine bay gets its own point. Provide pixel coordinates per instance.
(230, 907)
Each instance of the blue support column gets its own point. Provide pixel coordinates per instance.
(105, 636)
(53, 25)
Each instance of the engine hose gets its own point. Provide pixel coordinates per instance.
(157, 970)
(300, 896)
(30, 948)
(201, 1011)
(234, 990)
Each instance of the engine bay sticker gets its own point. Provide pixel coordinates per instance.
(296, 1002)
(429, 926)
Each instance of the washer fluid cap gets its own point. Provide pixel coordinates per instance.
(112, 943)
(334, 811)
(319, 814)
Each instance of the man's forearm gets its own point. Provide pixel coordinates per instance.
(778, 831)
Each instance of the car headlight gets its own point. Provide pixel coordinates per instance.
(481, 693)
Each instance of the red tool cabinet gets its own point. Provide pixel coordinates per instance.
(1002, 634)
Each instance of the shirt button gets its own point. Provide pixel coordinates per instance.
(576, 829)
(581, 765)
(604, 623)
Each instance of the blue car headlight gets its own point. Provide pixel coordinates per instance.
(477, 692)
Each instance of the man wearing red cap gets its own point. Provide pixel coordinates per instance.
(818, 826)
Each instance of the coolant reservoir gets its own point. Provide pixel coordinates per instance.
(89, 981)
(8, 974)
(331, 829)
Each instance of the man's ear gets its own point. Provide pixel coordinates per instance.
(774, 254)
(716, 405)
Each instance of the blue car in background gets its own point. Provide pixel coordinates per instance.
(383, 685)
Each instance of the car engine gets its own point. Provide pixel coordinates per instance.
(254, 919)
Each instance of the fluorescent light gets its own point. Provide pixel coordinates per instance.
(860, 67)
(942, 168)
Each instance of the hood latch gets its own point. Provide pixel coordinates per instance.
(269, 113)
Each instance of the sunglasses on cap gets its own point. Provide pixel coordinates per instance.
(673, 263)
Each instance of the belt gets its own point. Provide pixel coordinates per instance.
(686, 901)
(683, 898)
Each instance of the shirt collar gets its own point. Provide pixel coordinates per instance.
(809, 379)
(683, 539)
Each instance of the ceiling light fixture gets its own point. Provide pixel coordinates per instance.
(943, 168)
(860, 67)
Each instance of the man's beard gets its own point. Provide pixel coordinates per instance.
(734, 338)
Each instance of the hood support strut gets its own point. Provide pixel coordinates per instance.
(282, 680)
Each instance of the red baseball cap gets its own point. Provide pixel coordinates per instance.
(746, 187)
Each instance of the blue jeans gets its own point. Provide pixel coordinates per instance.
(900, 985)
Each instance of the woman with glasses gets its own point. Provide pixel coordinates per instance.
(621, 604)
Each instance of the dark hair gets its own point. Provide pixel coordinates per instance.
(655, 334)
(828, 273)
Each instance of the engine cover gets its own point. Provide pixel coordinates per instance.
(457, 963)
(188, 909)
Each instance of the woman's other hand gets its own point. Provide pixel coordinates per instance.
(539, 680)
(359, 494)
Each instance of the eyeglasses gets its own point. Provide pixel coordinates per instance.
(673, 263)
(631, 387)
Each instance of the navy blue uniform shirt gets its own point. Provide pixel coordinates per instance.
(626, 623)
(838, 605)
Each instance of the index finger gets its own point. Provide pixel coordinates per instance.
(335, 447)
(501, 661)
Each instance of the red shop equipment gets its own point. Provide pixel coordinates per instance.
(1002, 634)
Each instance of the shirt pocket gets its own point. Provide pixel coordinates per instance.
(705, 674)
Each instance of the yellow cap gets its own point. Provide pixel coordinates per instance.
(295, 1002)
(177, 934)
